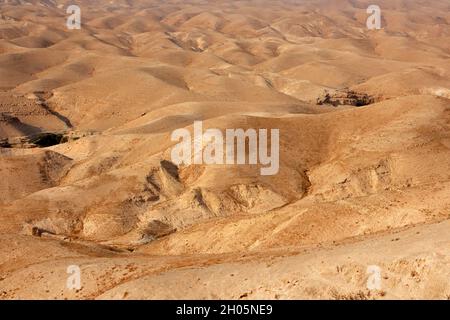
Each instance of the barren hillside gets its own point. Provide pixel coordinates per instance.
(88, 178)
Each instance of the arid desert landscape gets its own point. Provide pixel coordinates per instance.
(94, 206)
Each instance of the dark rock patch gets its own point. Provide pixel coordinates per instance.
(345, 97)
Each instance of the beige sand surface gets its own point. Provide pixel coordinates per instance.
(364, 177)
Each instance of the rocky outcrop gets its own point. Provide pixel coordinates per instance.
(345, 97)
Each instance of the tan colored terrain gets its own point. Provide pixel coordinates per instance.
(87, 179)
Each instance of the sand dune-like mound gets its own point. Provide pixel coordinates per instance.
(28, 173)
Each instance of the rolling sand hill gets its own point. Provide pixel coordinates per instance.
(87, 179)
